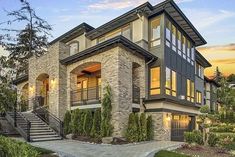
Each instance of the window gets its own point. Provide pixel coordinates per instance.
(184, 47)
(168, 33)
(155, 81)
(188, 89)
(173, 29)
(155, 32)
(198, 97)
(170, 82)
(74, 48)
(179, 43)
(199, 71)
(188, 51)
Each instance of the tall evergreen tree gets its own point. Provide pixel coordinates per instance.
(218, 75)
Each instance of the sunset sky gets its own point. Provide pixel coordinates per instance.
(214, 19)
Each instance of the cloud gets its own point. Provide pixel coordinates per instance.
(123, 4)
(206, 18)
(224, 61)
(221, 48)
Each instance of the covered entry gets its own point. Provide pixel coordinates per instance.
(180, 124)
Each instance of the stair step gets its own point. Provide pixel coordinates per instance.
(46, 139)
(42, 133)
(44, 136)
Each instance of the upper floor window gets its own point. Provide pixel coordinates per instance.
(173, 29)
(192, 55)
(184, 47)
(199, 71)
(190, 90)
(179, 43)
(155, 32)
(155, 81)
(170, 82)
(188, 51)
(74, 48)
(198, 97)
(168, 33)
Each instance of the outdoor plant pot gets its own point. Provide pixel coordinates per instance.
(107, 140)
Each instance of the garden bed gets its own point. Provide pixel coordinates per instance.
(203, 151)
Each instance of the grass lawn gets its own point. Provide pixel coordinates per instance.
(165, 153)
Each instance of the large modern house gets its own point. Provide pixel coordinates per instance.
(147, 56)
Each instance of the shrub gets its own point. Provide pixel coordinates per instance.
(132, 129)
(74, 121)
(150, 131)
(13, 148)
(194, 137)
(81, 123)
(212, 139)
(87, 124)
(106, 127)
(223, 128)
(143, 127)
(67, 120)
(226, 135)
(95, 130)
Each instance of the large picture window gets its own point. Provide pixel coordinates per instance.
(155, 32)
(155, 81)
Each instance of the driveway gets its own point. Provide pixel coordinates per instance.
(72, 148)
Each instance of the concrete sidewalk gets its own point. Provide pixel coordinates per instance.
(72, 148)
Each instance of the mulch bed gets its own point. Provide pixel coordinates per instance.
(203, 151)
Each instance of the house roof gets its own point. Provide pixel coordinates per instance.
(211, 81)
(168, 6)
(116, 41)
(201, 60)
(20, 79)
(73, 33)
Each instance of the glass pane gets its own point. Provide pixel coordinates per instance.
(173, 29)
(192, 89)
(155, 77)
(154, 91)
(155, 26)
(184, 45)
(168, 92)
(173, 81)
(168, 78)
(188, 88)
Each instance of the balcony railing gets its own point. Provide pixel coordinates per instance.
(136, 94)
(86, 96)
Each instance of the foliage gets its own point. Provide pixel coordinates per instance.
(7, 97)
(81, 123)
(165, 153)
(75, 121)
(106, 127)
(12, 148)
(150, 131)
(204, 109)
(95, 130)
(218, 75)
(231, 78)
(87, 124)
(143, 127)
(193, 137)
(67, 120)
(223, 128)
(212, 139)
(132, 129)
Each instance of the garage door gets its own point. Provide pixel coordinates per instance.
(180, 124)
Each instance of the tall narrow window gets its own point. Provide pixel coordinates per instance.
(192, 55)
(179, 43)
(168, 81)
(198, 97)
(155, 32)
(74, 48)
(155, 81)
(173, 29)
(188, 51)
(192, 91)
(173, 83)
(188, 89)
(168, 33)
(184, 47)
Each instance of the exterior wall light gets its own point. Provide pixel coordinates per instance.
(53, 81)
(168, 117)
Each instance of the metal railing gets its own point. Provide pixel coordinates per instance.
(136, 94)
(54, 122)
(89, 95)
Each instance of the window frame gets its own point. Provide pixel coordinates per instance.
(151, 32)
(173, 81)
(158, 89)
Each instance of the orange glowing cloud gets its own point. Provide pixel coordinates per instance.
(222, 56)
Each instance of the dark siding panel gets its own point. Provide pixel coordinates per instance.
(173, 63)
(183, 85)
(184, 69)
(179, 64)
(179, 85)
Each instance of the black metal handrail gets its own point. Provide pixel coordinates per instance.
(50, 119)
(136, 94)
(85, 96)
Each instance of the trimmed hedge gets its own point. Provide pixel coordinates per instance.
(95, 130)
(13, 148)
(193, 137)
(67, 120)
(150, 130)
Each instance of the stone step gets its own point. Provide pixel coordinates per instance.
(42, 133)
(46, 139)
(44, 136)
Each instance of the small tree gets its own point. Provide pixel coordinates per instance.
(150, 131)
(132, 129)
(95, 130)
(67, 124)
(75, 121)
(143, 127)
(81, 123)
(87, 122)
(106, 127)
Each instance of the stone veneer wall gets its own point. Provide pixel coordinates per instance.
(49, 64)
(116, 70)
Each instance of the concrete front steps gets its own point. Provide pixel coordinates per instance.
(39, 130)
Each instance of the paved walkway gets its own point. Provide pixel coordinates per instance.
(71, 148)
